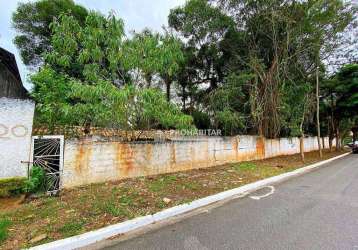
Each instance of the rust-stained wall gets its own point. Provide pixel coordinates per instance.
(89, 161)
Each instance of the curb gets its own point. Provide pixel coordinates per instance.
(130, 225)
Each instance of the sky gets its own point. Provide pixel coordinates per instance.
(137, 14)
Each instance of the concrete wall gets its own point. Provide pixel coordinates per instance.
(89, 161)
(16, 117)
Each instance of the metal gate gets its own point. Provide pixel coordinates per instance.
(47, 153)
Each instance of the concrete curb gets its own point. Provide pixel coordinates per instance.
(127, 226)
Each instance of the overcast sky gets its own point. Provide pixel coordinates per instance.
(136, 14)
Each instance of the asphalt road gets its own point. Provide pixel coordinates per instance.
(318, 210)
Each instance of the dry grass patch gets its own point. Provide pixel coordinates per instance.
(94, 206)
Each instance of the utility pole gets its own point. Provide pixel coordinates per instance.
(317, 112)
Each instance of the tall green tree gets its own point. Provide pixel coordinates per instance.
(151, 55)
(211, 50)
(83, 81)
(203, 27)
(32, 21)
(286, 40)
(341, 98)
(280, 42)
(88, 52)
(299, 104)
(226, 105)
(62, 100)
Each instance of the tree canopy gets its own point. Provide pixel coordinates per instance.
(87, 77)
(242, 66)
(32, 22)
(280, 42)
(89, 52)
(341, 99)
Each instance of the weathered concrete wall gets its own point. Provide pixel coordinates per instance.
(16, 117)
(88, 161)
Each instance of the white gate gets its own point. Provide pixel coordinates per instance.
(47, 153)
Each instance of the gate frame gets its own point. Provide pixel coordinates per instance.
(62, 145)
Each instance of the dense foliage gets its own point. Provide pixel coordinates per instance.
(92, 75)
(340, 103)
(37, 180)
(32, 21)
(281, 43)
(242, 66)
(66, 101)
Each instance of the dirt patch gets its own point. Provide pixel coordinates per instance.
(11, 203)
(91, 207)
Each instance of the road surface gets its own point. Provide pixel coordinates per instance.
(318, 210)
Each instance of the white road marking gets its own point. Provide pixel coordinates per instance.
(254, 197)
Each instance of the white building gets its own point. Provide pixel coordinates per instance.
(16, 118)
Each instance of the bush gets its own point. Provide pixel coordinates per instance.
(11, 186)
(201, 119)
(36, 182)
(64, 101)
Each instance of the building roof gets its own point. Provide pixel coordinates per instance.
(10, 80)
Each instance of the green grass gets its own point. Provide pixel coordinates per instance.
(116, 206)
(71, 228)
(116, 210)
(117, 202)
(191, 186)
(161, 184)
(49, 208)
(11, 186)
(4, 225)
(126, 200)
(245, 166)
(160, 204)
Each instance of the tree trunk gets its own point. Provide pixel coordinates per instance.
(302, 147)
(330, 135)
(87, 128)
(317, 113)
(148, 79)
(331, 130)
(261, 132)
(183, 97)
(338, 139)
(267, 98)
(168, 83)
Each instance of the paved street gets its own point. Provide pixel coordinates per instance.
(318, 210)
